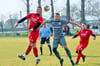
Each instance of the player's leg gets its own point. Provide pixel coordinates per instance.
(23, 57)
(78, 56)
(41, 45)
(55, 45)
(79, 50)
(83, 56)
(63, 43)
(49, 46)
(35, 52)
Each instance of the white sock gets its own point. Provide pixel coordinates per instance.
(37, 58)
(25, 55)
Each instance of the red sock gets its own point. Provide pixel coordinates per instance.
(82, 55)
(35, 51)
(78, 57)
(28, 50)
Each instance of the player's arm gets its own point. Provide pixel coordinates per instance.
(93, 35)
(47, 21)
(74, 24)
(76, 35)
(37, 26)
(20, 21)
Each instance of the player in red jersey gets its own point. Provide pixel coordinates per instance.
(35, 21)
(84, 40)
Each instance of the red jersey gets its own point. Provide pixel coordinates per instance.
(33, 19)
(84, 35)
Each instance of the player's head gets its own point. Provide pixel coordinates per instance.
(57, 16)
(39, 10)
(84, 25)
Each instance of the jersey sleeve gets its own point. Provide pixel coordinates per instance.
(91, 32)
(64, 21)
(78, 33)
(28, 16)
(40, 20)
(49, 21)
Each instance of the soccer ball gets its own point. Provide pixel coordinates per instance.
(46, 8)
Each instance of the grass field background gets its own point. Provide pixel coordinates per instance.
(11, 47)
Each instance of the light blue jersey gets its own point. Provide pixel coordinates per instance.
(45, 32)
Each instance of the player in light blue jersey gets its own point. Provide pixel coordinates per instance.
(44, 36)
(57, 24)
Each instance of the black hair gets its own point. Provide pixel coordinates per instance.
(39, 7)
(57, 14)
(84, 23)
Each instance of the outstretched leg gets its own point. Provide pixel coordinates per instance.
(69, 55)
(23, 57)
(49, 46)
(58, 56)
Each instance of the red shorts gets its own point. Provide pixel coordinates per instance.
(33, 37)
(81, 47)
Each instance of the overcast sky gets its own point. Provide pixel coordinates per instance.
(14, 6)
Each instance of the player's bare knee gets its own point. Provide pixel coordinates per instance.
(30, 44)
(41, 45)
(34, 45)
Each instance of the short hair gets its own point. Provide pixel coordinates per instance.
(84, 23)
(57, 14)
(39, 7)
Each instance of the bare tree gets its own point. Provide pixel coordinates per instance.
(74, 12)
(93, 8)
(68, 9)
(52, 8)
(82, 11)
(2, 22)
(1, 25)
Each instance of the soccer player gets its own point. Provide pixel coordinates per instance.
(35, 20)
(84, 40)
(57, 24)
(44, 36)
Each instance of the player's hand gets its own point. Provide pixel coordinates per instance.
(39, 39)
(94, 38)
(31, 30)
(16, 25)
(37, 28)
(47, 37)
(72, 37)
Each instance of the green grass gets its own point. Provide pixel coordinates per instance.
(11, 47)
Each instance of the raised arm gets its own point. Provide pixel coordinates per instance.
(20, 21)
(74, 24)
(76, 35)
(93, 34)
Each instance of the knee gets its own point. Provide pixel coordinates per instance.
(41, 45)
(34, 45)
(54, 49)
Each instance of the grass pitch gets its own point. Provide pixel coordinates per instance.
(11, 47)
